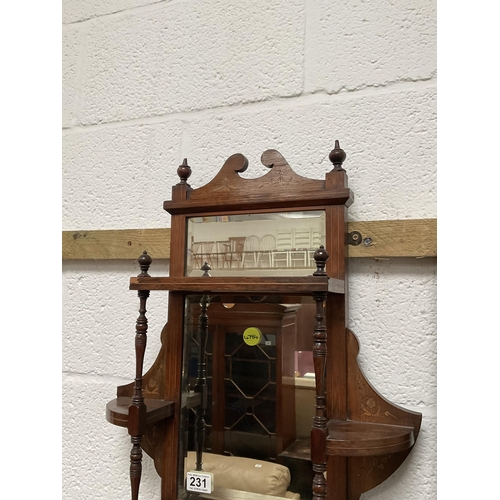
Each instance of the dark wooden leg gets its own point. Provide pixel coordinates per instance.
(318, 431)
(137, 409)
(135, 466)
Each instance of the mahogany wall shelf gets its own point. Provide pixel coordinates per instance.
(349, 438)
(156, 409)
(297, 285)
(117, 410)
(269, 246)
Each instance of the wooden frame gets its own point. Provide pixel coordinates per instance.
(353, 424)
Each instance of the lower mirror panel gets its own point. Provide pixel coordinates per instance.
(244, 357)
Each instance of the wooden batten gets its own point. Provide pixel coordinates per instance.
(389, 238)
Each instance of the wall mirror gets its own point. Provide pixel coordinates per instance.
(255, 244)
(247, 397)
(256, 392)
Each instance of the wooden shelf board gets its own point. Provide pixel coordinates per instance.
(192, 401)
(356, 439)
(389, 238)
(156, 410)
(299, 449)
(236, 285)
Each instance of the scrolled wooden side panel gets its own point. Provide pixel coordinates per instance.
(365, 404)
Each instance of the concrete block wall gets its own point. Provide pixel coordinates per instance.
(147, 83)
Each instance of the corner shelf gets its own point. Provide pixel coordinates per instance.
(300, 449)
(361, 439)
(117, 410)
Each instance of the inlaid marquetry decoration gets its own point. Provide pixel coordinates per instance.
(224, 185)
(372, 408)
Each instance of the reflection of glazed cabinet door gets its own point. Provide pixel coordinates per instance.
(251, 399)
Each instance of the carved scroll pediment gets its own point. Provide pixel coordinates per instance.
(280, 187)
(228, 183)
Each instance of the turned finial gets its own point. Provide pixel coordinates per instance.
(184, 172)
(144, 261)
(205, 268)
(320, 257)
(337, 156)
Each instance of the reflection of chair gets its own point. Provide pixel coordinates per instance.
(301, 238)
(234, 251)
(300, 247)
(315, 239)
(219, 250)
(281, 256)
(267, 245)
(201, 252)
(196, 254)
(251, 251)
(207, 250)
(315, 243)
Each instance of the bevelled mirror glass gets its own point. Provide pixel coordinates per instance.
(248, 397)
(263, 244)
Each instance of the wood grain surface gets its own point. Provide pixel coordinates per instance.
(389, 238)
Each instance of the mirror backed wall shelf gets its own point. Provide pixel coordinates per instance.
(256, 391)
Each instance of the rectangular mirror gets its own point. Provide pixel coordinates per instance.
(246, 407)
(265, 244)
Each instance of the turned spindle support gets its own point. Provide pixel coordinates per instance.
(201, 380)
(319, 430)
(137, 409)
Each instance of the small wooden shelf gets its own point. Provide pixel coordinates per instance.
(191, 401)
(300, 449)
(360, 439)
(157, 409)
(293, 285)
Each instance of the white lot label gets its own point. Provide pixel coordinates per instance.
(202, 482)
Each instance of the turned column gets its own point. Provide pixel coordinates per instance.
(137, 409)
(318, 431)
(201, 379)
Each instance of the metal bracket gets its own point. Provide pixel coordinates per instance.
(354, 238)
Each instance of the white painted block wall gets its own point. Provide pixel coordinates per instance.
(147, 83)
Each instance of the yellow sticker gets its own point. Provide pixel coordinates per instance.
(252, 336)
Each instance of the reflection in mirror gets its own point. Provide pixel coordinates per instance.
(255, 244)
(247, 407)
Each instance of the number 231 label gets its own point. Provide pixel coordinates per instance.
(203, 482)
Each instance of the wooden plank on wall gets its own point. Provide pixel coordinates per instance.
(396, 238)
(389, 238)
(115, 244)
